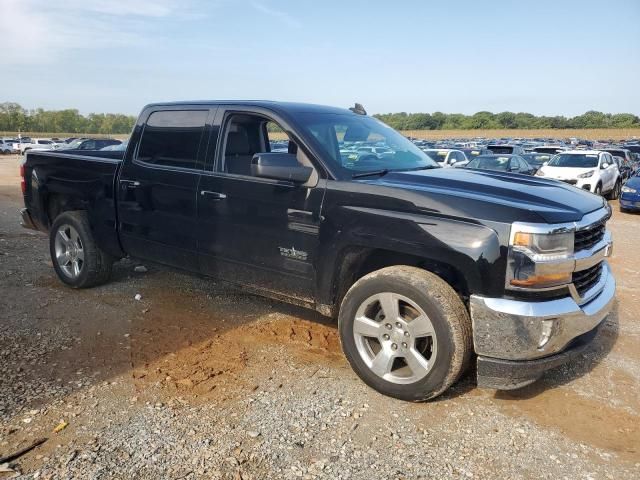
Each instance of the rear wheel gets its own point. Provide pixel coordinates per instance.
(405, 332)
(76, 258)
(598, 190)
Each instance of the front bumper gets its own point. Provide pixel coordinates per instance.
(630, 201)
(524, 339)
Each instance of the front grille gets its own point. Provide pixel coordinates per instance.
(570, 182)
(585, 279)
(588, 237)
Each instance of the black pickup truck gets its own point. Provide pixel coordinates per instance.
(425, 268)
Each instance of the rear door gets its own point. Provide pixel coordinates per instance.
(257, 231)
(158, 183)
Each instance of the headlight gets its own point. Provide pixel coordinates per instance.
(540, 260)
(629, 190)
(586, 174)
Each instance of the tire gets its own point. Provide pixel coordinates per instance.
(426, 364)
(598, 190)
(615, 194)
(76, 258)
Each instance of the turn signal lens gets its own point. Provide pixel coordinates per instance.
(541, 281)
(522, 239)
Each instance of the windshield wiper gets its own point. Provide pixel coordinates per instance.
(426, 167)
(382, 173)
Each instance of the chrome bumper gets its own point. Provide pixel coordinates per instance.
(521, 330)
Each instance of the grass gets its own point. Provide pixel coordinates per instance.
(587, 133)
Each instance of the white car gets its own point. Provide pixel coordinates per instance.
(446, 157)
(589, 170)
(38, 144)
(5, 147)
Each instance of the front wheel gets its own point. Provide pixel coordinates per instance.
(76, 258)
(405, 332)
(598, 190)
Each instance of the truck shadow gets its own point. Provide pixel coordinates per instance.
(600, 347)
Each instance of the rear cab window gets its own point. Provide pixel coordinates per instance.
(172, 138)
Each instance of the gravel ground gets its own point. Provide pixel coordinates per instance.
(198, 381)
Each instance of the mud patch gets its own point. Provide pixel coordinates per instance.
(208, 367)
(577, 417)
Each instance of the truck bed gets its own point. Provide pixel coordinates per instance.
(87, 176)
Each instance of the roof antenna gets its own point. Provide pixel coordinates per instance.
(359, 109)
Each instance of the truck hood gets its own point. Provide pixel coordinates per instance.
(505, 196)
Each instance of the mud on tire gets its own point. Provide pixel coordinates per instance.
(383, 350)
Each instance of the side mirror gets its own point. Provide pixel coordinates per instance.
(604, 166)
(279, 166)
(544, 164)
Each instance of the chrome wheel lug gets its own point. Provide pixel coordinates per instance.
(398, 324)
(388, 326)
(394, 346)
(407, 334)
(404, 345)
(386, 336)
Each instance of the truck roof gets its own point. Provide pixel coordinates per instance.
(269, 104)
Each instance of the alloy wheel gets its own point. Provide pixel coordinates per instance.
(69, 251)
(395, 338)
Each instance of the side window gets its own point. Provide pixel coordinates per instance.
(245, 135)
(172, 138)
(88, 145)
(248, 134)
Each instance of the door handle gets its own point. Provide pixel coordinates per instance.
(213, 195)
(129, 183)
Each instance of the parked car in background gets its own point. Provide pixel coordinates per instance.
(506, 149)
(119, 147)
(536, 160)
(552, 149)
(472, 153)
(620, 152)
(625, 168)
(446, 157)
(630, 194)
(35, 144)
(591, 170)
(92, 143)
(5, 147)
(501, 163)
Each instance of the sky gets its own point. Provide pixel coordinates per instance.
(560, 57)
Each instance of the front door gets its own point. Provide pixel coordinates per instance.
(157, 188)
(257, 231)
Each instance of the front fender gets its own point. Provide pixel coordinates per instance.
(471, 249)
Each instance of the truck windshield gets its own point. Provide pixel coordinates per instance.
(347, 140)
(574, 160)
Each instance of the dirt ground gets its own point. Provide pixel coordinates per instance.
(198, 380)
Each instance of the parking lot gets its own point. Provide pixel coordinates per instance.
(198, 380)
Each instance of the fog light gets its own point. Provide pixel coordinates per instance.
(546, 333)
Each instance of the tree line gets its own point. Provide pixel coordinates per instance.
(14, 118)
(505, 120)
